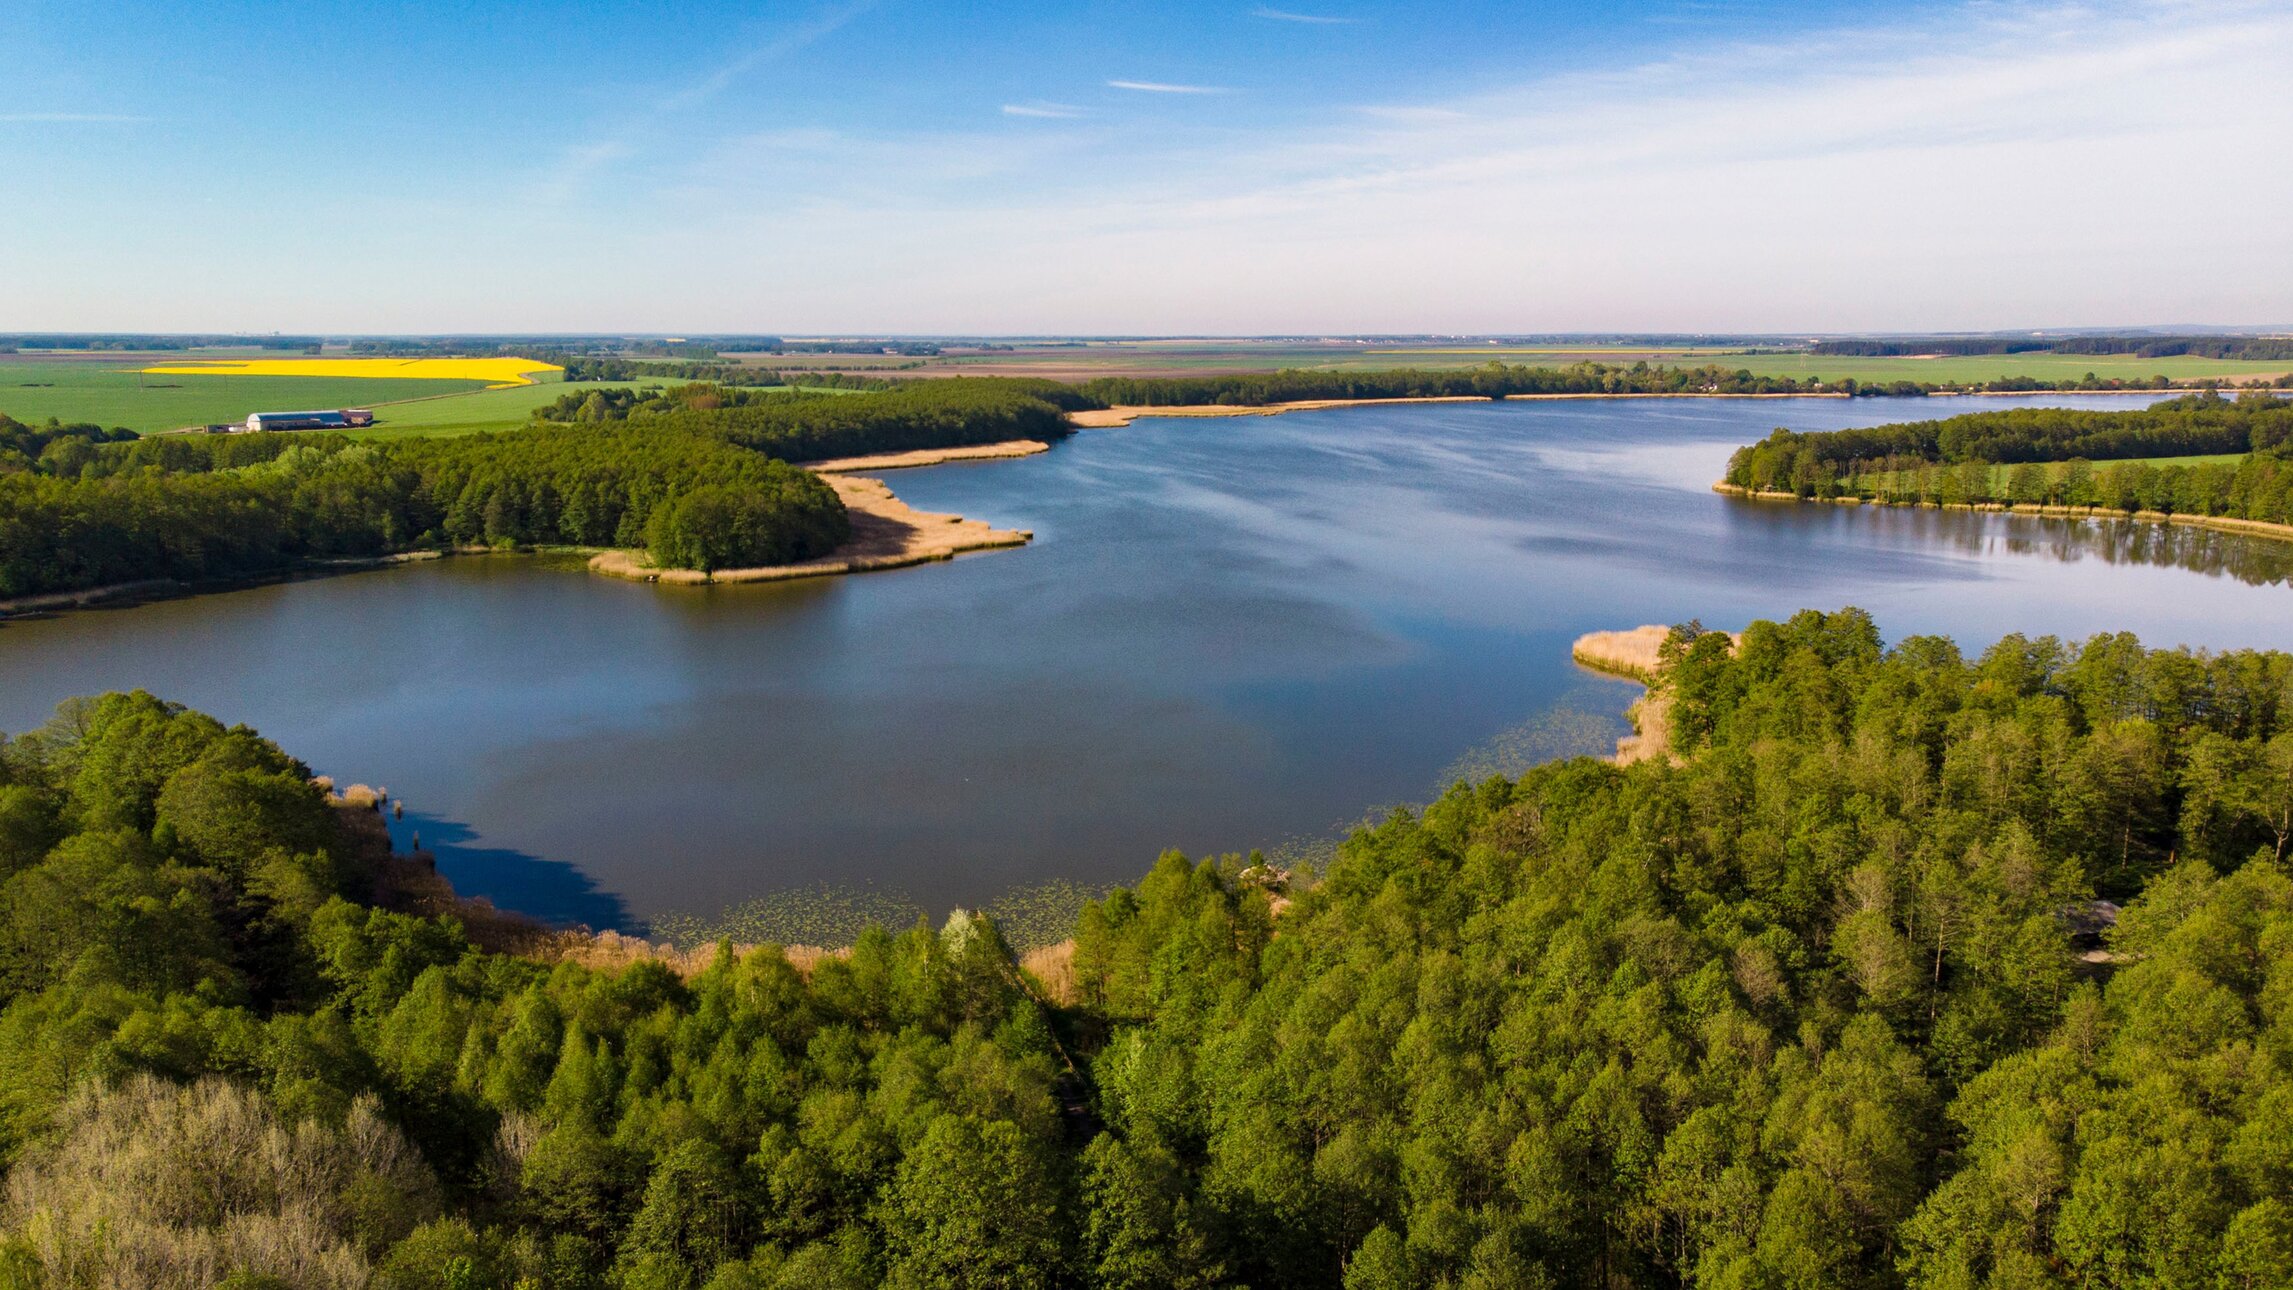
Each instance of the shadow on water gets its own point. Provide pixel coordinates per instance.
(551, 890)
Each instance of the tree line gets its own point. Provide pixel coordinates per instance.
(1489, 381)
(696, 475)
(2253, 348)
(1497, 380)
(2053, 455)
(580, 368)
(798, 427)
(1828, 1002)
(89, 513)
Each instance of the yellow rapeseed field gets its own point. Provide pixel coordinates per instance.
(500, 371)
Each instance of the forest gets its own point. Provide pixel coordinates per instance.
(584, 368)
(191, 509)
(810, 427)
(698, 476)
(2053, 454)
(1497, 380)
(1490, 381)
(1913, 968)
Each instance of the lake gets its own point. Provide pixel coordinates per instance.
(1229, 633)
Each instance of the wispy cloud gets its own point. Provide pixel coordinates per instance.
(1165, 87)
(1643, 195)
(788, 42)
(71, 118)
(1285, 15)
(580, 161)
(1040, 109)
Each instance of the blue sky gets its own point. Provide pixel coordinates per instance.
(1191, 168)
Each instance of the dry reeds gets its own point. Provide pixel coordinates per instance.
(1053, 969)
(1638, 653)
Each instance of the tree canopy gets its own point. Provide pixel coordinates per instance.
(1912, 969)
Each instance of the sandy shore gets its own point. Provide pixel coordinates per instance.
(886, 534)
(927, 457)
(1123, 415)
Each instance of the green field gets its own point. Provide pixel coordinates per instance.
(497, 409)
(481, 410)
(118, 395)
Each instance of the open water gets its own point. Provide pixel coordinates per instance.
(1228, 634)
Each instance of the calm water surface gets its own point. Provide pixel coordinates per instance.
(1228, 633)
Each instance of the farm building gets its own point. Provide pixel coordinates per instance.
(340, 419)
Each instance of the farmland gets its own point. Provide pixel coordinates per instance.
(497, 371)
(118, 394)
(472, 411)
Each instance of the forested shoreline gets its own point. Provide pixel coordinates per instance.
(701, 480)
(82, 507)
(2051, 457)
(199, 509)
(1828, 1001)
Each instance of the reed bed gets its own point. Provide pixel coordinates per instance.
(1638, 653)
(1053, 969)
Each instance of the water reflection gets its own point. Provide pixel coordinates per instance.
(2247, 558)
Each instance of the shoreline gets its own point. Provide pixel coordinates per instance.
(887, 533)
(2218, 523)
(1633, 656)
(1005, 450)
(1637, 655)
(122, 595)
(1123, 414)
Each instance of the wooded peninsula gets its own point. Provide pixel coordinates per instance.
(2147, 460)
(1904, 968)
(698, 476)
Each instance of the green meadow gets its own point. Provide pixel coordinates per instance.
(84, 391)
(473, 412)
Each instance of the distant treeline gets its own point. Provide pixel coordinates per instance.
(1497, 380)
(621, 369)
(1491, 381)
(2260, 348)
(1950, 461)
(88, 513)
(922, 414)
(108, 341)
(556, 348)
